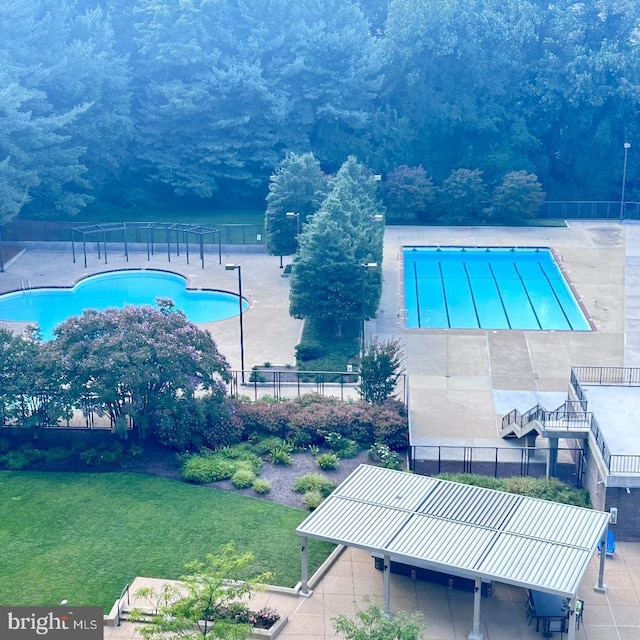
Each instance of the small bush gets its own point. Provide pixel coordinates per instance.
(327, 461)
(241, 455)
(313, 482)
(281, 455)
(382, 454)
(265, 617)
(243, 478)
(4, 445)
(309, 350)
(204, 469)
(264, 446)
(344, 447)
(16, 460)
(312, 499)
(56, 454)
(261, 487)
(135, 451)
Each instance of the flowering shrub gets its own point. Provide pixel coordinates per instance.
(382, 454)
(264, 618)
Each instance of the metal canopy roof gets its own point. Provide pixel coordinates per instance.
(460, 529)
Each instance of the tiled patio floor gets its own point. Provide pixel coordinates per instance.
(614, 615)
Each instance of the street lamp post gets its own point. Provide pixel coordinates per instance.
(296, 215)
(627, 146)
(232, 267)
(367, 266)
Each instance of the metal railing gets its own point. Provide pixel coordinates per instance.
(570, 412)
(498, 462)
(626, 376)
(123, 593)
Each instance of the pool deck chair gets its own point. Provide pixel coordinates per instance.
(611, 545)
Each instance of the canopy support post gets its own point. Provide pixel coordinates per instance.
(476, 634)
(304, 579)
(386, 584)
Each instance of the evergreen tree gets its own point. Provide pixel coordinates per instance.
(298, 185)
(330, 279)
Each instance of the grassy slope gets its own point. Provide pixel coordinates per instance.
(82, 537)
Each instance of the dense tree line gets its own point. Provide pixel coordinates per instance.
(124, 104)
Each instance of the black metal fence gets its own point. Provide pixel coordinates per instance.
(18, 230)
(497, 462)
(590, 210)
(286, 383)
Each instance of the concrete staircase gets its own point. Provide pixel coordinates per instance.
(569, 420)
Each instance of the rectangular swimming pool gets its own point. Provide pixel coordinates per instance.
(488, 288)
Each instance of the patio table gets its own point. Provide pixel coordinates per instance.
(551, 609)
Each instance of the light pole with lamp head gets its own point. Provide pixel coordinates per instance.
(296, 215)
(232, 267)
(367, 266)
(627, 146)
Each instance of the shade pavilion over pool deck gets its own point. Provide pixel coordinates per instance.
(462, 530)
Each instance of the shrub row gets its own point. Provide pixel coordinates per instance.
(113, 455)
(311, 419)
(545, 488)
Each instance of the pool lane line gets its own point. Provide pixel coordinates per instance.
(555, 295)
(473, 298)
(526, 291)
(415, 279)
(504, 308)
(444, 295)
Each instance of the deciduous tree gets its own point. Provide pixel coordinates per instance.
(463, 195)
(200, 605)
(518, 198)
(137, 361)
(380, 369)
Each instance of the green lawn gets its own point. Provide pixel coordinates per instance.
(83, 536)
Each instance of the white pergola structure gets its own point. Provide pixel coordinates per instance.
(461, 530)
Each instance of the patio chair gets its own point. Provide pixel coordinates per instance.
(531, 611)
(579, 612)
(611, 545)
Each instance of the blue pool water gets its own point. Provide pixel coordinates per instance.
(488, 288)
(48, 307)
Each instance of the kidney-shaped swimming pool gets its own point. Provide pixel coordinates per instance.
(48, 306)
